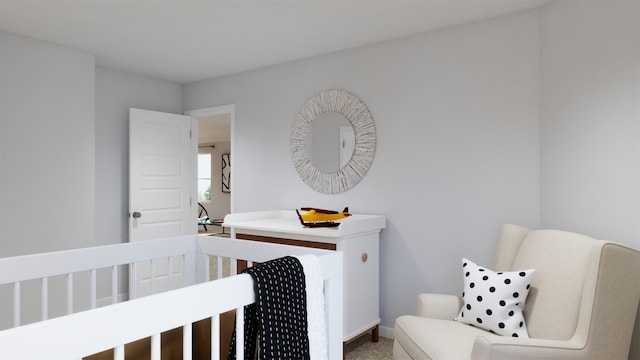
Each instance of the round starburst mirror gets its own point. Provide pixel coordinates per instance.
(333, 141)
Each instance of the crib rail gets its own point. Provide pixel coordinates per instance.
(27, 267)
(72, 263)
(85, 333)
(88, 332)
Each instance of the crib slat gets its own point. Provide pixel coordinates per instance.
(114, 284)
(133, 285)
(118, 352)
(186, 341)
(234, 266)
(170, 272)
(153, 276)
(220, 274)
(207, 267)
(45, 298)
(93, 289)
(215, 337)
(185, 274)
(16, 304)
(240, 333)
(155, 347)
(70, 293)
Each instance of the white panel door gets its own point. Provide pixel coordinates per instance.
(161, 186)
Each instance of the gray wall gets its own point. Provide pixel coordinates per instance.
(591, 117)
(529, 118)
(590, 178)
(457, 117)
(116, 92)
(58, 163)
(47, 146)
(47, 194)
(64, 155)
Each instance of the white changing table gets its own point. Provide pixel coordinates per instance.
(358, 239)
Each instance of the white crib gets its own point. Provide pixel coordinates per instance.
(79, 334)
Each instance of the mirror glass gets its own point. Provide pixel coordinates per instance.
(330, 142)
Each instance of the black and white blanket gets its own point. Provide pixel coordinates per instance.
(276, 324)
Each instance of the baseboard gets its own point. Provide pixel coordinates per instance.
(386, 332)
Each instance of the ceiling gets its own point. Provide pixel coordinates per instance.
(214, 129)
(185, 40)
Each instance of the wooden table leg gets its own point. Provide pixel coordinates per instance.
(375, 334)
(375, 337)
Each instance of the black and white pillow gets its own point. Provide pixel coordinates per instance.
(495, 301)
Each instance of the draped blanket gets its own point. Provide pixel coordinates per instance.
(277, 321)
(316, 322)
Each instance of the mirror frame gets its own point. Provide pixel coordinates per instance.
(352, 108)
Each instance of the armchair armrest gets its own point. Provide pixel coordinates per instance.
(439, 306)
(504, 348)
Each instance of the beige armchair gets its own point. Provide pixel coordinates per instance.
(582, 304)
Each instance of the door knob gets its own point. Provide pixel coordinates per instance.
(136, 215)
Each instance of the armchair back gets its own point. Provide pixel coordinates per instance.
(583, 288)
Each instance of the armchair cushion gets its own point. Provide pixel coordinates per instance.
(495, 301)
(439, 306)
(419, 338)
(426, 338)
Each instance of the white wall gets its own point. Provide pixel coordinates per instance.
(457, 118)
(590, 118)
(47, 194)
(115, 93)
(64, 151)
(591, 121)
(47, 146)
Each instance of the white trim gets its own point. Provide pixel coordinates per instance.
(212, 111)
(193, 192)
(218, 110)
(386, 332)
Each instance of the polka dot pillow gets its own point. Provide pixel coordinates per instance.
(495, 301)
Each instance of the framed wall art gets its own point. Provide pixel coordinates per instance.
(226, 173)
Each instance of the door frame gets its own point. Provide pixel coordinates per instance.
(212, 111)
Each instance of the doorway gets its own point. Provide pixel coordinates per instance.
(214, 163)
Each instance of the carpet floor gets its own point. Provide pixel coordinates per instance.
(364, 349)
